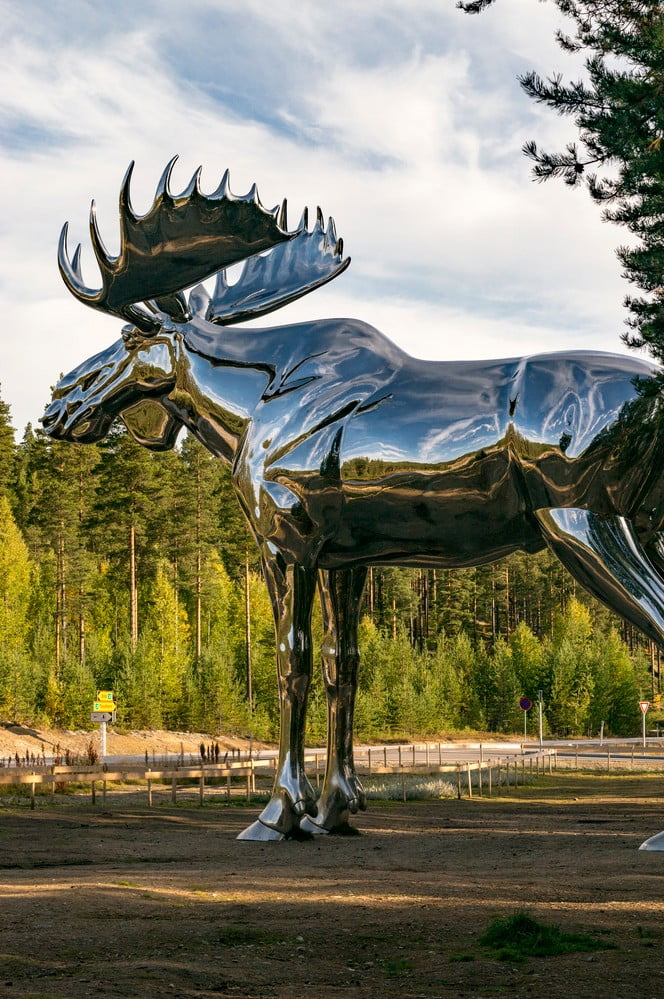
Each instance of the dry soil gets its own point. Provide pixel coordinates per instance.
(120, 900)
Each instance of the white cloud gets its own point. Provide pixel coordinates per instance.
(403, 119)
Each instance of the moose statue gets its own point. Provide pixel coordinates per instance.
(348, 453)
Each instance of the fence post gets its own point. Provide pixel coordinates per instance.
(470, 783)
(413, 754)
(440, 755)
(608, 760)
(201, 788)
(490, 776)
(385, 755)
(459, 781)
(479, 779)
(400, 763)
(149, 793)
(94, 793)
(369, 760)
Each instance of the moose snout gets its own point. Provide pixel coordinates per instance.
(52, 416)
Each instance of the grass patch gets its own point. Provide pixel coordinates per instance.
(243, 936)
(389, 787)
(519, 937)
(398, 968)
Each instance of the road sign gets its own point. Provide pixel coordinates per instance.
(644, 705)
(104, 695)
(525, 704)
(104, 706)
(102, 716)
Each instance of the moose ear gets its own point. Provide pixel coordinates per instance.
(151, 425)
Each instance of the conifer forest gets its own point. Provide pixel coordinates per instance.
(133, 571)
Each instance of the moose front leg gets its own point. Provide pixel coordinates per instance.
(342, 793)
(606, 556)
(291, 589)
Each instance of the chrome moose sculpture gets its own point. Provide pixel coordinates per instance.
(346, 452)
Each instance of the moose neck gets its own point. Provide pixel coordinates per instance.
(216, 395)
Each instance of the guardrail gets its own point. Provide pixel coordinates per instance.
(490, 773)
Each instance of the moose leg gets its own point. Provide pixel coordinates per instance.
(340, 593)
(291, 589)
(605, 555)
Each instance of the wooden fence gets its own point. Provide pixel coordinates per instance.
(480, 777)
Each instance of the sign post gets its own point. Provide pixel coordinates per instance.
(525, 704)
(103, 711)
(644, 705)
(539, 719)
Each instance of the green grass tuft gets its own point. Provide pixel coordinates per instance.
(518, 937)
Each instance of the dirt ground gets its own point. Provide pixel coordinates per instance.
(119, 900)
(22, 739)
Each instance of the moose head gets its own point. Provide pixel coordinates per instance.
(182, 240)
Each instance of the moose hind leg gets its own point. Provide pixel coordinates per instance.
(340, 593)
(605, 555)
(292, 589)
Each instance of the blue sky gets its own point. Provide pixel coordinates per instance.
(401, 118)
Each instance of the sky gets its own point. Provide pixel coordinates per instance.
(403, 119)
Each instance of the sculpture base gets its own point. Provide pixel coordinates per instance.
(654, 843)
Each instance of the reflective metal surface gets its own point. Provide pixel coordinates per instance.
(347, 452)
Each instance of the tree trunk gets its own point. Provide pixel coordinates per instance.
(247, 631)
(133, 592)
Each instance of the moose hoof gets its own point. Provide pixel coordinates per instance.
(258, 832)
(308, 825)
(342, 828)
(302, 808)
(280, 819)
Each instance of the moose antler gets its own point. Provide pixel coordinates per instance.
(276, 278)
(185, 238)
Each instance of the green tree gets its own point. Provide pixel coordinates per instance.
(16, 694)
(7, 452)
(502, 690)
(571, 682)
(619, 113)
(125, 520)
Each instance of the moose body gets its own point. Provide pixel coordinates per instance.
(346, 452)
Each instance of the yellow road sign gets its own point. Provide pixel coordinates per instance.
(104, 695)
(104, 706)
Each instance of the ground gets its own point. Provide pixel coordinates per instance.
(120, 900)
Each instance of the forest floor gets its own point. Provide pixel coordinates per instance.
(122, 900)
